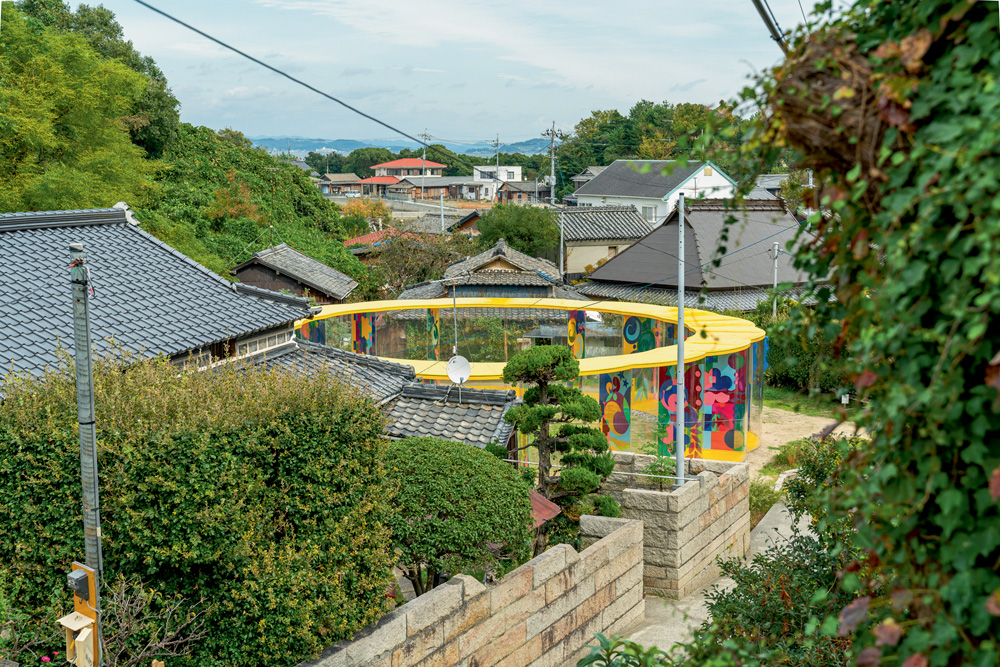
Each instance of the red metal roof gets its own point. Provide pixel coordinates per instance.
(542, 509)
(380, 179)
(409, 162)
(376, 237)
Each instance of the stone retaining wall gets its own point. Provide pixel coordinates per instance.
(541, 614)
(686, 529)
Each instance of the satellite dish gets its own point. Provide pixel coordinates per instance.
(459, 369)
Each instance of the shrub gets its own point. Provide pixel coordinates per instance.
(607, 506)
(261, 493)
(460, 508)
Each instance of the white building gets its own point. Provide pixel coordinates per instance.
(492, 177)
(654, 186)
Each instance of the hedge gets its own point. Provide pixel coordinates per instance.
(262, 493)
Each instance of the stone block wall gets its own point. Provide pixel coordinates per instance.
(688, 528)
(541, 614)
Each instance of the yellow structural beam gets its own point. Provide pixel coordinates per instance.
(714, 334)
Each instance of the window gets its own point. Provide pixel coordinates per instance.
(708, 171)
(518, 196)
(510, 176)
(649, 212)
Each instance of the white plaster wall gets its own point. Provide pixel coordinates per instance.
(715, 186)
(579, 256)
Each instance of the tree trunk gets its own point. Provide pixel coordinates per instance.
(544, 448)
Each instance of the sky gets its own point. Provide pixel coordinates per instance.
(462, 71)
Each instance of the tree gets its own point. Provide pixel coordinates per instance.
(530, 229)
(360, 160)
(460, 508)
(552, 414)
(412, 256)
(326, 163)
(64, 145)
(154, 119)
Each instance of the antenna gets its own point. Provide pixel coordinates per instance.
(459, 371)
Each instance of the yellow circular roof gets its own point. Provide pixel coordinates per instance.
(714, 334)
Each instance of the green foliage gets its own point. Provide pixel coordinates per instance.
(153, 119)
(773, 614)
(460, 508)
(63, 143)
(223, 200)
(893, 106)
(496, 450)
(583, 450)
(532, 230)
(662, 467)
(607, 506)
(360, 160)
(651, 131)
(819, 463)
(326, 163)
(262, 494)
(617, 651)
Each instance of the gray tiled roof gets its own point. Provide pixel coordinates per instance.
(603, 223)
(638, 178)
(759, 224)
(742, 299)
(381, 380)
(771, 180)
(429, 289)
(503, 251)
(338, 179)
(304, 269)
(434, 410)
(148, 297)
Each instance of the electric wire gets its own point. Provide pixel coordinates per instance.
(279, 72)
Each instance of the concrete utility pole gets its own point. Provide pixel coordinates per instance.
(772, 25)
(496, 174)
(441, 193)
(79, 275)
(551, 134)
(774, 304)
(423, 161)
(679, 444)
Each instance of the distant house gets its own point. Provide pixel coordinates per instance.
(464, 223)
(148, 298)
(301, 165)
(500, 271)
(585, 176)
(647, 185)
(492, 176)
(409, 166)
(411, 407)
(523, 192)
(282, 268)
(376, 186)
(335, 184)
(647, 271)
(452, 187)
(593, 234)
(771, 183)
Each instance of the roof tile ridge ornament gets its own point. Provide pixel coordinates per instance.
(129, 215)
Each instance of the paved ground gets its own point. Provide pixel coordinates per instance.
(668, 622)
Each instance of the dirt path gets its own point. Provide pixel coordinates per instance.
(783, 426)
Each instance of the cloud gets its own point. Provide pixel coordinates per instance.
(684, 87)
(246, 93)
(357, 71)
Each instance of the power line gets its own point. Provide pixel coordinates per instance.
(278, 71)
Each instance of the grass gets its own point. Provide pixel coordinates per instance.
(820, 404)
(762, 498)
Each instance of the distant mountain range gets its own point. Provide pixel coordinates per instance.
(301, 146)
